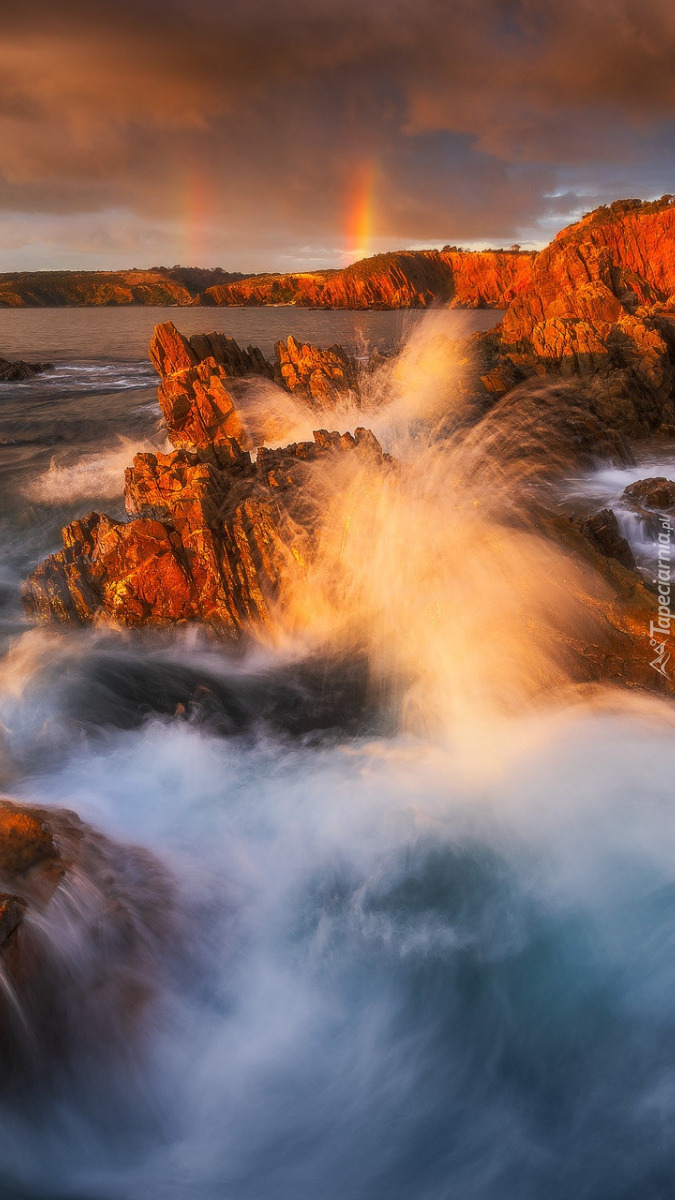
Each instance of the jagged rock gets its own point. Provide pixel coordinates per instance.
(196, 372)
(210, 541)
(171, 351)
(615, 647)
(66, 889)
(599, 307)
(602, 530)
(541, 428)
(656, 494)
(323, 376)
(21, 370)
(200, 411)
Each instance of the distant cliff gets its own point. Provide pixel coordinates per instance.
(405, 279)
(60, 289)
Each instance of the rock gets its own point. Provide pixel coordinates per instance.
(12, 909)
(209, 540)
(616, 647)
(656, 494)
(540, 429)
(602, 530)
(195, 393)
(599, 307)
(403, 279)
(171, 351)
(21, 370)
(322, 376)
(85, 923)
(200, 411)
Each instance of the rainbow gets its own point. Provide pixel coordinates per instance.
(361, 214)
(198, 206)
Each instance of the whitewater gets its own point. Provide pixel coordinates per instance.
(426, 935)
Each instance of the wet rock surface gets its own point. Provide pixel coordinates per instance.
(217, 538)
(656, 494)
(208, 541)
(602, 530)
(85, 923)
(18, 370)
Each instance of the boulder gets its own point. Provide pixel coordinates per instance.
(602, 531)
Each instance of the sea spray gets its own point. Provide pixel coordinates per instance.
(432, 964)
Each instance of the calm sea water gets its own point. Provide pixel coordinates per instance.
(412, 966)
(123, 334)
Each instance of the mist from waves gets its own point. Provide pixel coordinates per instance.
(402, 981)
(431, 960)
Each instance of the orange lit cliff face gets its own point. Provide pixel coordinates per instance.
(300, 135)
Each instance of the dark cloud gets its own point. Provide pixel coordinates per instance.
(239, 132)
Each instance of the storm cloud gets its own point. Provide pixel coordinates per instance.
(240, 134)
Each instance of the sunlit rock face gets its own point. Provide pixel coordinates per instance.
(310, 537)
(84, 925)
(213, 536)
(321, 376)
(404, 279)
(656, 494)
(600, 310)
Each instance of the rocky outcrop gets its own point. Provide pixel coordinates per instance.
(18, 370)
(196, 372)
(210, 539)
(84, 925)
(615, 647)
(171, 351)
(213, 536)
(600, 310)
(321, 376)
(602, 531)
(218, 538)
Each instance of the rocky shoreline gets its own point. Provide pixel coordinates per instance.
(224, 533)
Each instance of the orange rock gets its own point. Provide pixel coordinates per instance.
(208, 541)
(199, 410)
(402, 279)
(320, 375)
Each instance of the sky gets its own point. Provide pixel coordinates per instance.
(294, 134)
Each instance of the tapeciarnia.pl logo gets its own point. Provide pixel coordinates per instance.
(659, 631)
